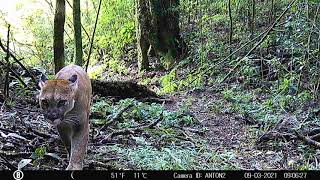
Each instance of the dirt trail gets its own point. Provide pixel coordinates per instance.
(229, 135)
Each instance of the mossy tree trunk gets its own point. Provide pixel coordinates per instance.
(77, 32)
(158, 27)
(58, 37)
(142, 25)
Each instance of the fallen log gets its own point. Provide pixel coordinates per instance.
(115, 89)
(121, 89)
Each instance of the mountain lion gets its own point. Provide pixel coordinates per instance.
(65, 102)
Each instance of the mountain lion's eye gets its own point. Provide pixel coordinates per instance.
(62, 103)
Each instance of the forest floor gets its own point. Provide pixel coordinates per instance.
(234, 137)
(198, 129)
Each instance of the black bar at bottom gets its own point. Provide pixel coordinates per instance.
(166, 175)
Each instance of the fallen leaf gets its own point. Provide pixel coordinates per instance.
(16, 136)
(55, 156)
(23, 163)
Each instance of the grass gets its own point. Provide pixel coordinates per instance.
(162, 148)
(144, 156)
(269, 110)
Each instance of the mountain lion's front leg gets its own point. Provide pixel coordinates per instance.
(79, 141)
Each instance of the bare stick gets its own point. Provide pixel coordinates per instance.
(40, 134)
(52, 12)
(315, 137)
(101, 164)
(15, 154)
(115, 118)
(197, 131)
(94, 31)
(228, 57)
(259, 42)
(14, 74)
(307, 140)
(231, 27)
(81, 23)
(237, 50)
(6, 130)
(271, 135)
(6, 84)
(18, 62)
(313, 131)
(132, 130)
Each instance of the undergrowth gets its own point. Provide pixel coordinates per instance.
(164, 147)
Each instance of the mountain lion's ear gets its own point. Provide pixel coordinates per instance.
(42, 81)
(73, 81)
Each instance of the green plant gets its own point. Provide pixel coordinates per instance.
(116, 30)
(168, 82)
(228, 94)
(39, 153)
(103, 105)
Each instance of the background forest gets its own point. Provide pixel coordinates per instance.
(236, 88)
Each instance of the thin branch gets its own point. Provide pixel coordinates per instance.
(15, 154)
(15, 74)
(94, 31)
(18, 62)
(101, 164)
(80, 23)
(219, 62)
(307, 140)
(271, 135)
(115, 118)
(231, 27)
(52, 12)
(252, 21)
(40, 134)
(128, 131)
(259, 42)
(315, 137)
(313, 131)
(197, 131)
(6, 84)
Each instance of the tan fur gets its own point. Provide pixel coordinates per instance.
(67, 105)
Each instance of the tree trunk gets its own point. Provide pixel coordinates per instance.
(142, 25)
(58, 37)
(167, 14)
(77, 32)
(158, 26)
